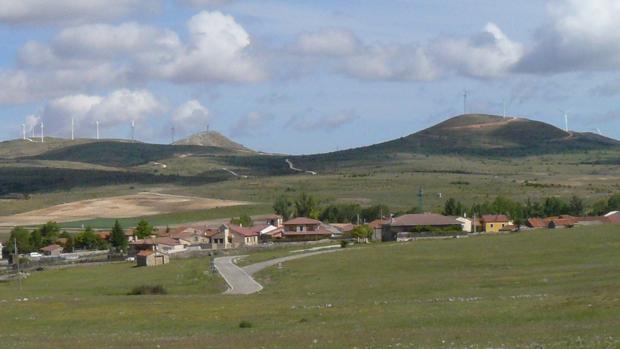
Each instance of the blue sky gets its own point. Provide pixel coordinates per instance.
(303, 76)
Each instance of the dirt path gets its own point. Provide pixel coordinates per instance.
(292, 167)
(240, 280)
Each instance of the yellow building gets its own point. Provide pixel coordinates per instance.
(495, 223)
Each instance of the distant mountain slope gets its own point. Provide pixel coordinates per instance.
(478, 135)
(19, 148)
(211, 139)
(124, 154)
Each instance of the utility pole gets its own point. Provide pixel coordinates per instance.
(474, 222)
(421, 199)
(16, 255)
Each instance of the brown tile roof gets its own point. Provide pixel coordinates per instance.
(145, 253)
(487, 218)
(157, 241)
(50, 248)
(242, 231)
(423, 219)
(344, 227)
(320, 231)
(563, 221)
(302, 221)
(378, 223)
(538, 223)
(104, 235)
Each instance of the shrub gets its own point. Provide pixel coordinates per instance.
(147, 290)
(245, 324)
(344, 243)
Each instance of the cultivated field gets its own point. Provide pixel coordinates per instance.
(540, 289)
(136, 205)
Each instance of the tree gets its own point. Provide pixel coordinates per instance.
(143, 230)
(70, 244)
(86, 239)
(36, 240)
(341, 213)
(613, 203)
(22, 237)
(554, 207)
(118, 238)
(371, 213)
(244, 221)
(49, 233)
(361, 232)
(453, 208)
(306, 206)
(576, 206)
(283, 207)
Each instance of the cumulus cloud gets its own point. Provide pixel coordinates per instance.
(579, 35)
(101, 55)
(191, 115)
(120, 106)
(37, 12)
(199, 3)
(487, 54)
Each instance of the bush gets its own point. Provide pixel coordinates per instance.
(344, 243)
(245, 324)
(147, 290)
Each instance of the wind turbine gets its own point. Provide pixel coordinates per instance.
(72, 128)
(172, 134)
(24, 132)
(565, 119)
(465, 95)
(133, 130)
(97, 123)
(42, 139)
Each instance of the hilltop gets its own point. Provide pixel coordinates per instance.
(211, 139)
(479, 135)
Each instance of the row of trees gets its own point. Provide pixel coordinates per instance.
(550, 206)
(306, 205)
(50, 233)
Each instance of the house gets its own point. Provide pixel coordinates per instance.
(343, 228)
(561, 222)
(1, 249)
(494, 223)
(273, 220)
(233, 236)
(190, 236)
(161, 244)
(303, 228)
(421, 222)
(150, 258)
(377, 227)
(537, 223)
(104, 235)
(51, 250)
(466, 223)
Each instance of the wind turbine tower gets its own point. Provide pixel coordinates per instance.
(24, 132)
(42, 139)
(465, 95)
(133, 130)
(72, 128)
(172, 134)
(97, 123)
(565, 121)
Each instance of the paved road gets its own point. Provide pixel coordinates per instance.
(240, 280)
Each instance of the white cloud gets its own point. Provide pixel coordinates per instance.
(580, 35)
(120, 106)
(92, 56)
(37, 12)
(199, 3)
(488, 54)
(327, 41)
(252, 123)
(191, 115)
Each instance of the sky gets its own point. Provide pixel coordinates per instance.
(303, 76)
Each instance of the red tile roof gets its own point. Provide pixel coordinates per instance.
(377, 223)
(538, 223)
(423, 219)
(242, 231)
(302, 221)
(502, 218)
(145, 253)
(157, 241)
(50, 248)
(344, 228)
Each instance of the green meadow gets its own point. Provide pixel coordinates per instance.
(538, 289)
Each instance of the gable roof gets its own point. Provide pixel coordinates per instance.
(423, 219)
(302, 221)
(378, 223)
(157, 241)
(50, 248)
(235, 229)
(502, 218)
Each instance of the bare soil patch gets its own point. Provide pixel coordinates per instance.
(127, 206)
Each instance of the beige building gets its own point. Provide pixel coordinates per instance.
(233, 236)
(150, 258)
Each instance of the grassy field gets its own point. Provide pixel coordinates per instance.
(541, 289)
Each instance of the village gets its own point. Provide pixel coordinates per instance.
(157, 246)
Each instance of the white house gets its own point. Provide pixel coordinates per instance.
(466, 223)
(1, 248)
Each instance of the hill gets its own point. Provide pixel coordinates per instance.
(476, 135)
(211, 139)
